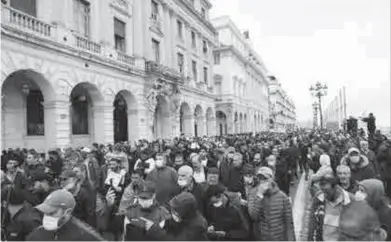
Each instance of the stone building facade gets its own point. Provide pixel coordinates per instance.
(241, 82)
(282, 108)
(81, 71)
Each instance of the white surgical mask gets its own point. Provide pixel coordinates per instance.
(248, 180)
(159, 163)
(176, 218)
(50, 222)
(218, 204)
(354, 159)
(145, 203)
(182, 183)
(360, 196)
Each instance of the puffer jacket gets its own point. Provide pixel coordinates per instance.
(272, 216)
(363, 171)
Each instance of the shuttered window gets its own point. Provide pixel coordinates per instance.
(119, 35)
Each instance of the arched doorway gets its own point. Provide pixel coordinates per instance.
(120, 116)
(161, 125)
(87, 125)
(185, 119)
(221, 121)
(25, 123)
(125, 117)
(209, 122)
(199, 121)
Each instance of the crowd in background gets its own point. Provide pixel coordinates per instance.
(232, 187)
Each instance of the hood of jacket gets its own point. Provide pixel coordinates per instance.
(375, 191)
(185, 205)
(364, 162)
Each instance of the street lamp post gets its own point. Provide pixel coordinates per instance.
(319, 90)
(315, 107)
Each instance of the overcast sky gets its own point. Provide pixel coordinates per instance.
(341, 42)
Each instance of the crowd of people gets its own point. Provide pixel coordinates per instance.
(232, 187)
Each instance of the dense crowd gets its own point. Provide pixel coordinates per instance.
(233, 187)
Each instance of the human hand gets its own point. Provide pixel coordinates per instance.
(148, 223)
(243, 202)
(211, 228)
(110, 197)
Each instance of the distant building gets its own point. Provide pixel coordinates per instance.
(240, 81)
(282, 108)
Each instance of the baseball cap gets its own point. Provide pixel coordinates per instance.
(58, 199)
(353, 149)
(265, 172)
(147, 190)
(185, 171)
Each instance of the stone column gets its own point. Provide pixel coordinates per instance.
(189, 124)
(203, 124)
(139, 21)
(106, 29)
(145, 124)
(175, 123)
(103, 127)
(133, 123)
(168, 34)
(57, 124)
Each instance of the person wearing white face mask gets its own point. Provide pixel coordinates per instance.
(58, 222)
(165, 178)
(145, 207)
(226, 220)
(359, 165)
(187, 183)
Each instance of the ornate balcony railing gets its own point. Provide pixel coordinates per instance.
(156, 68)
(25, 22)
(122, 57)
(86, 44)
(15, 23)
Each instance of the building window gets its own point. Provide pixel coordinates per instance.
(206, 75)
(203, 13)
(81, 10)
(119, 35)
(204, 47)
(35, 113)
(216, 57)
(156, 50)
(180, 29)
(155, 10)
(180, 62)
(193, 39)
(194, 69)
(26, 6)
